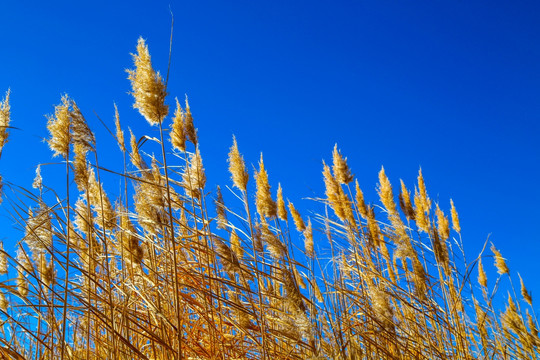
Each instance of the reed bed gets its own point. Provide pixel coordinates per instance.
(165, 269)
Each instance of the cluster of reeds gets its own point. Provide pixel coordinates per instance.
(167, 270)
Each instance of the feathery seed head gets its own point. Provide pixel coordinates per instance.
(420, 212)
(532, 328)
(46, 271)
(373, 227)
(3, 302)
(426, 202)
(274, 245)
(38, 230)
(106, 214)
(381, 306)
(189, 127)
(237, 167)
(298, 277)
(405, 202)
(317, 291)
(308, 240)
(194, 178)
(281, 210)
(236, 245)
(220, 210)
(24, 266)
(178, 134)
(148, 203)
(385, 193)
(441, 251)
(119, 131)
(3, 260)
(297, 218)
(23, 260)
(80, 166)
(500, 263)
(455, 218)
(341, 170)
(82, 217)
(525, 293)
(59, 128)
(443, 226)
(135, 155)
(482, 278)
(419, 278)
(22, 283)
(360, 203)
(511, 320)
(5, 119)
(265, 205)
(80, 132)
(38, 180)
(130, 241)
(147, 85)
(227, 256)
(334, 193)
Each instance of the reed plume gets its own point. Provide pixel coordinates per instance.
(59, 128)
(119, 132)
(237, 167)
(266, 207)
(147, 86)
(500, 263)
(340, 168)
(5, 119)
(154, 272)
(178, 132)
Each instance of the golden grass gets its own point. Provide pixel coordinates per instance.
(155, 273)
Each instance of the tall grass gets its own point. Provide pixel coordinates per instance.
(166, 269)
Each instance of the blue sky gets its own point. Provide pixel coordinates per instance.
(452, 87)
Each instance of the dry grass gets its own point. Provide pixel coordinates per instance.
(163, 271)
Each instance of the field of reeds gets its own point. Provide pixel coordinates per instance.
(166, 269)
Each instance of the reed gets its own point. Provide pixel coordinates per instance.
(154, 272)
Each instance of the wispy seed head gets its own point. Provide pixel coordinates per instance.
(3, 260)
(482, 278)
(455, 217)
(237, 167)
(426, 202)
(405, 202)
(147, 86)
(281, 210)
(38, 180)
(220, 210)
(525, 293)
(333, 193)
(420, 212)
(236, 245)
(500, 263)
(265, 205)
(59, 128)
(5, 119)
(178, 134)
(443, 226)
(308, 240)
(119, 131)
(360, 203)
(341, 170)
(81, 133)
(189, 127)
(135, 155)
(385, 193)
(297, 218)
(194, 177)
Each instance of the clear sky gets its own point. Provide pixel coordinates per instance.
(449, 86)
